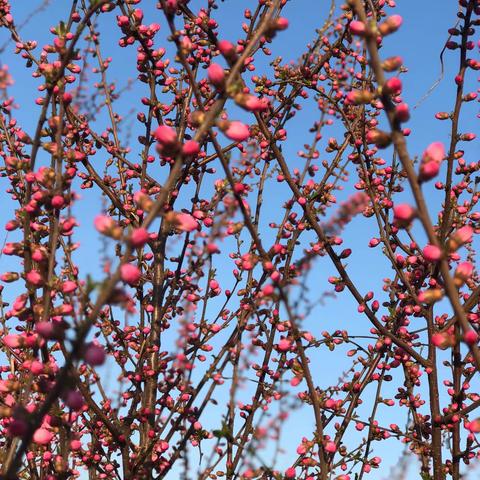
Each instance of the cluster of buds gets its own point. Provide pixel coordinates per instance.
(169, 145)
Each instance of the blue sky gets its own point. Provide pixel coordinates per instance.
(419, 42)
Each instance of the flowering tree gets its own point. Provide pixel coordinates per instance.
(213, 238)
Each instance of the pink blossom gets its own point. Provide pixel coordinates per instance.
(255, 104)
(357, 28)
(94, 355)
(402, 112)
(226, 48)
(473, 426)
(330, 447)
(290, 472)
(12, 341)
(435, 152)
(191, 148)
(165, 135)
(443, 340)
(403, 214)
(58, 201)
(429, 170)
(462, 236)
(393, 86)
(104, 223)
(216, 74)
(139, 237)
(36, 367)
(69, 286)
(390, 25)
(34, 277)
(48, 330)
(470, 337)
(74, 399)
(42, 436)
(284, 345)
(432, 253)
(186, 222)
(282, 23)
(464, 271)
(75, 445)
(130, 273)
(237, 131)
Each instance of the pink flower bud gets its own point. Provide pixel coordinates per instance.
(290, 473)
(432, 253)
(186, 222)
(255, 104)
(34, 278)
(330, 447)
(58, 201)
(443, 340)
(94, 355)
(284, 345)
(75, 445)
(165, 135)
(390, 25)
(460, 237)
(393, 86)
(123, 21)
(282, 23)
(139, 237)
(42, 436)
(435, 152)
(237, 131)
(463, 272)
(391, 64)
(402, 112)
(191, 148)
(470, 337)
(69, 286)
(74, 400)
(216, 75)
(430, 296)
(12, 341)
(130, 273)
(197, 426)
(45, 329)
(226, 48)
(36, 367)
(357, 28)
(403, 214)
(429, 170)
(104, 223)
(473, 426)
